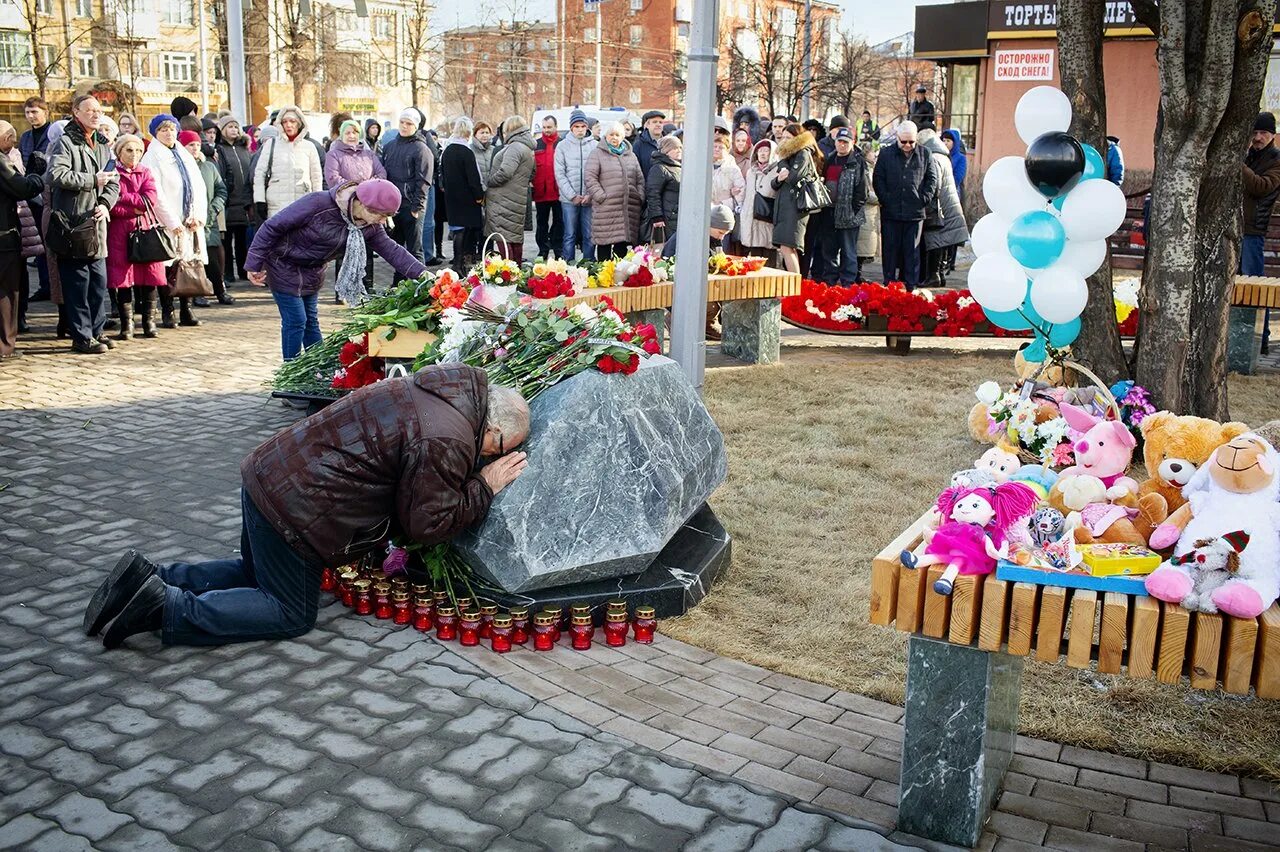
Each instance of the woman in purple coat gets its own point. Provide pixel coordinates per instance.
(290, 250)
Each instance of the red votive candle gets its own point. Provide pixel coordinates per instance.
(544, 631)
(446, 623)
(487, 612)
(423, 610)
(500, 633)
(382, 600)
(644, 625)
(519, 625)
(327, 581)
(345, 591)
(403, 611)
(363, 603)
(469, 633)
(557, 614)
(615, 628)
(464, 605)
(583, 631)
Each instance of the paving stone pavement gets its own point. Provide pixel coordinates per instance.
(360, 735)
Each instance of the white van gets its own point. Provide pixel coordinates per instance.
(601, 114)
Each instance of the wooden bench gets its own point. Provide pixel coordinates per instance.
(965, 658)
(750, 313)
(1250, 294)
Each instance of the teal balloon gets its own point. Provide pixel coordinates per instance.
(1036, 351)
(1065, 333)
(1036, 239)
(1094, 165)
(1059, 201)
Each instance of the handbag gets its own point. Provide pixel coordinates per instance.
(153, 243)
(190, 279)
(73, 237)
(762, 208)
(812, 195)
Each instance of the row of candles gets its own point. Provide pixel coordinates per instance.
(472, 622)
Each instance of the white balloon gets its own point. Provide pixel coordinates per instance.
(998, 282)
(1084, 256)
(991, 235)
(1007, 190)
(1059, 293)
(1094, 209)
(1041, 110)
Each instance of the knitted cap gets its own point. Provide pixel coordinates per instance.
(722, 218)
(186, 137)
(1265, 121)
(576, 116)
(342, 128)
(181, 106)
(1238, 540)
(208, 124)
(380, 196)
(227, 120)
(159, 120)
(411, 114)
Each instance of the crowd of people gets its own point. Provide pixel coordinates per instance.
(131, 231)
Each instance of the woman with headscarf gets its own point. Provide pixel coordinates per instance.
(235, 166)
(135, 284)
(959, 168)
(180, 190)
(756, 233)
(742, 147)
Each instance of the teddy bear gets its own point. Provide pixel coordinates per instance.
(1173, 449)
(1236, 489)
(1091, 517)
(1052, 376)
(1212, 562)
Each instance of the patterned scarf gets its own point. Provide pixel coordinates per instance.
(350, 283)
(187, 198)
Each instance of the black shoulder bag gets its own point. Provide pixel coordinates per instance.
(152, 242)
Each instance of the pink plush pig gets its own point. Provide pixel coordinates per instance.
(1105, 450)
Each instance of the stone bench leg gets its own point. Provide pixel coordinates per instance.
(961, 721)
(1242, 341)
(656, 317)
(751, 330)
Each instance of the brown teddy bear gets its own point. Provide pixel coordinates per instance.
(1092, 518)
(1174, 448)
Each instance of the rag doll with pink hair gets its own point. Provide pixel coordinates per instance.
(977, 525)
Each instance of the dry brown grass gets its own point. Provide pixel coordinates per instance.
(832, 454)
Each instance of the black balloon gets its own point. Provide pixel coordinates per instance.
(1055, 163)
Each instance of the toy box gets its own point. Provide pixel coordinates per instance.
(1119, 560)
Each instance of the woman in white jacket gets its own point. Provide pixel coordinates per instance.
(288, 166)
(727, 184)
(181, 192)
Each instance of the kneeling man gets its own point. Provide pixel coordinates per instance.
(396, 458)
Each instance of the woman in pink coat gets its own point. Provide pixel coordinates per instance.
(126, 280)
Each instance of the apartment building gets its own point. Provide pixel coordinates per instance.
(491, 72)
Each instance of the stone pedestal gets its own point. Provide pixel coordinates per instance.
(960, 724)
(751, 330)
(1242, 341)
(656, 318)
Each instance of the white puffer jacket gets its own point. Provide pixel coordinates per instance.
(168, 177)
(294, 166)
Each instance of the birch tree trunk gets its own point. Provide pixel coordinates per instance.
(1212, 60)
(1080, 64)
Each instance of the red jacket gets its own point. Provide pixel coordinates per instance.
(544, 169)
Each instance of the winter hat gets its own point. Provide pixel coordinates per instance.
(576, 116)
(722, 125)
(380, 196)
(208, 124)
(722, 218)
(342, 128)
(668, 128)
(921, 90)
(667, 144)
(1265, 121)
(186, 137)
(653, 113)
(411, 114)
(181, 106)
(164, 116)
(226, 121)
(124, 139)
(839, 121)
(843, 133)
(1238, 540)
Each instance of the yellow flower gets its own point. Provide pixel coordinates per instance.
(539, 270)
(1122, 311)
(605, 275)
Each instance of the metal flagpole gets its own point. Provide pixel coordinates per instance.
(808, 58)
(689, 311)
(204, 63)
(236, 91)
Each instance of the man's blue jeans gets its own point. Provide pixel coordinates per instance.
(84, 292)
(429, 227)
(1251, 263)
(838, 255)
(577, 229)
(299, 323)
(268, 592)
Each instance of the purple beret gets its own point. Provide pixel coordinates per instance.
(380, 196)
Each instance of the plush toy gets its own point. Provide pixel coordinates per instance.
(1092, 518)
(975, 531)
(1047, 526)
(1002, 461)
(1105, 450)
(1052, 376)
(973, 477)
(1211, 562)
(1235, 490)
(1174, 448)
(1038, 478)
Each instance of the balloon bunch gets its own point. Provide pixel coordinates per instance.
(1051, 214)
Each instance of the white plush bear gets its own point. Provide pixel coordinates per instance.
(1235, 490)
(1213, 562)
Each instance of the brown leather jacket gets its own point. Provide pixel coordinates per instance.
(395, 458)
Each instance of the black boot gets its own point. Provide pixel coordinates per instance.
(185, 317)
(124, 306)
(220, 291)
(121, 584)
(166, 308)
(142, 614)
(147, 307)
(64, 327)
(459, 258)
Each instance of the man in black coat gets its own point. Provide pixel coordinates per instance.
(920, 111)
(409, 163)
(14, 187)
(905, 183)
(836, 239)
(647, 142)
(34, 146)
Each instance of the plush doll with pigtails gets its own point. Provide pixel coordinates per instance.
(977, 523)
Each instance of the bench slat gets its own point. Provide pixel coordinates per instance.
(1084, 615)
(966, 605)
(1142, 639)
(937, 608)
(911, 599)
(1206, 649)
(995, 614)
(1266, 678)
(1053, 615)
(1237, 657)
(1022, 618)
(885, 569)
(1173, 643)
(1115, 625)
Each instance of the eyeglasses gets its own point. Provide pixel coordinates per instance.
(907, 143)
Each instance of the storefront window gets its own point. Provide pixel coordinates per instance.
(963, 109)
